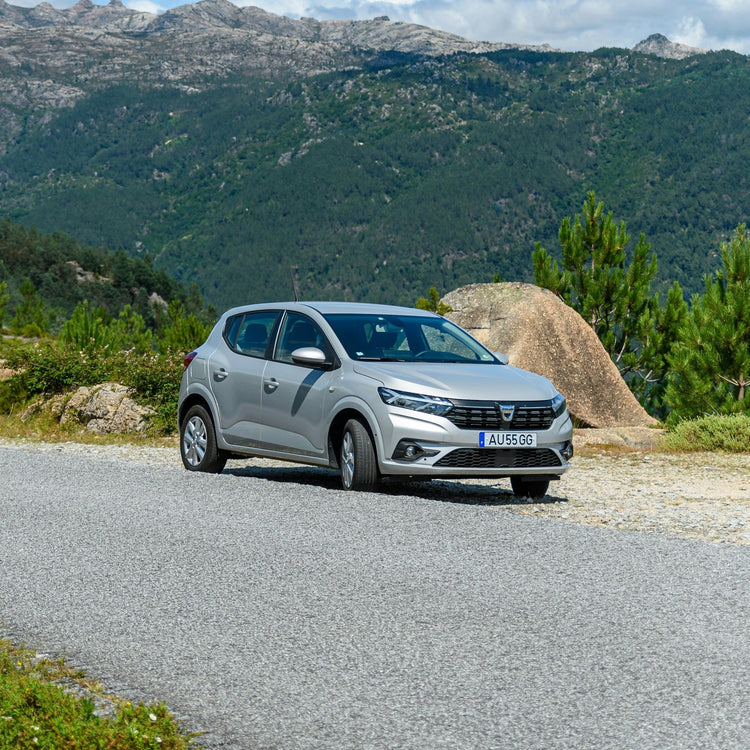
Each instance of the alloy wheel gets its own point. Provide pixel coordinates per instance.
(195, 441)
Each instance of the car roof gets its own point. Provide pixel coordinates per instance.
(329, 308)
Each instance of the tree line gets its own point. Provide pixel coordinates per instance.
(680, 361)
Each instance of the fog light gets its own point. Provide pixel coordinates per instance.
(567, 450)
(410, 450)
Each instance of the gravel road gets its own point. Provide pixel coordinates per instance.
(271, 610)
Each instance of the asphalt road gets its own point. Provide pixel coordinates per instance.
(290, 615)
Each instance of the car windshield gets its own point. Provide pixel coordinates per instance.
(405, 338)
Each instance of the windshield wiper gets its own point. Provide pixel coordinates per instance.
(382, 359)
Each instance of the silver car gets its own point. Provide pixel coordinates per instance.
(370, 390)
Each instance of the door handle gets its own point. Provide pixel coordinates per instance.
(220, 374)
(271, 384)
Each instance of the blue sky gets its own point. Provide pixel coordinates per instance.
(565, 24)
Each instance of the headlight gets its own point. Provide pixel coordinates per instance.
(559, 404)
(416, 402)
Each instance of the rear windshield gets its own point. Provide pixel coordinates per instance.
(406, 338)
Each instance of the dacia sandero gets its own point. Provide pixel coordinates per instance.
(369, 390)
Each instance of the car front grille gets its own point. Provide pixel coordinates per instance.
(500, 458)
(487, 415)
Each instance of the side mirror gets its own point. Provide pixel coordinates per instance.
(310, 356)
(503, 358)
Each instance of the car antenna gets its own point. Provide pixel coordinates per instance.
(294, 285)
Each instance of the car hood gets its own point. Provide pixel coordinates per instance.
(460, 381)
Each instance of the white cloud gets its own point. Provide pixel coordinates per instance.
(144, 6)
(691, 31)
(731, 6)
(565, 24)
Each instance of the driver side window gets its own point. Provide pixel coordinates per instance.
(298, 331)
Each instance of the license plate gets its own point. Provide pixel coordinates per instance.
(507, 440)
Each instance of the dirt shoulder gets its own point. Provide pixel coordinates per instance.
(618, 481)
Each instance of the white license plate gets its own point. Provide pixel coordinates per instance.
(507, 440)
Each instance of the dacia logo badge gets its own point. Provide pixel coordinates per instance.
(507, 411)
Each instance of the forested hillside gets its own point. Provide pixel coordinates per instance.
(48, 275)
(379, 182)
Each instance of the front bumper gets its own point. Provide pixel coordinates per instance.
(429, 446)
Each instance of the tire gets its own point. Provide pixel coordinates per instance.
(357, 462)
(529, 487)
(198, 442)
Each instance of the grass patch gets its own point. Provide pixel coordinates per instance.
(47, 704)
(730, 433)
(45, 428)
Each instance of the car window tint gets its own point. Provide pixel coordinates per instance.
(231, 328)
(298, 331)
(252, 333)
(438, 341)
(405, 338)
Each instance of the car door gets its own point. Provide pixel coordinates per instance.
(295, 396)
(236, 371)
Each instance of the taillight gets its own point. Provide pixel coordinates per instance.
(188, 359)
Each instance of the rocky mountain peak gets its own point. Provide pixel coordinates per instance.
(659, 45)
(210, 17)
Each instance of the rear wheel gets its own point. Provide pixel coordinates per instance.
(198, 442)
(529, 487)
(357, 462)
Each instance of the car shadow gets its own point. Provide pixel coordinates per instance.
(464, 491)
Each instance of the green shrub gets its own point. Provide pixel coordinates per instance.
(729, 433)
(50, 368)
(12, 395)
(155, 378)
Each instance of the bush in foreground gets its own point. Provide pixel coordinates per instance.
(729, 433)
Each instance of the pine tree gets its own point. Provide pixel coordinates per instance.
(30, 319)
(710, 363)
(95, 331)
(184, 331)
(433, 303)
(86, 329)
(613, 299)
(4, 299)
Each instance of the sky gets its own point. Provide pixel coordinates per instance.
(569, 25)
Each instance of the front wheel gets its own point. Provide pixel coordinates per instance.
(359, 468)
(198, 442)
(529, 487)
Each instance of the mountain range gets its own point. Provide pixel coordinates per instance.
(368, 159)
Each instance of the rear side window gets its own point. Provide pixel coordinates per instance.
(249, 333)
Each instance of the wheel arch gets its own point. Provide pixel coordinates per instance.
(336, 432)
(192, 400)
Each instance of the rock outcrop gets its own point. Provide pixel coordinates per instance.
(540, 333)
(659, 45)
(103, 409)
